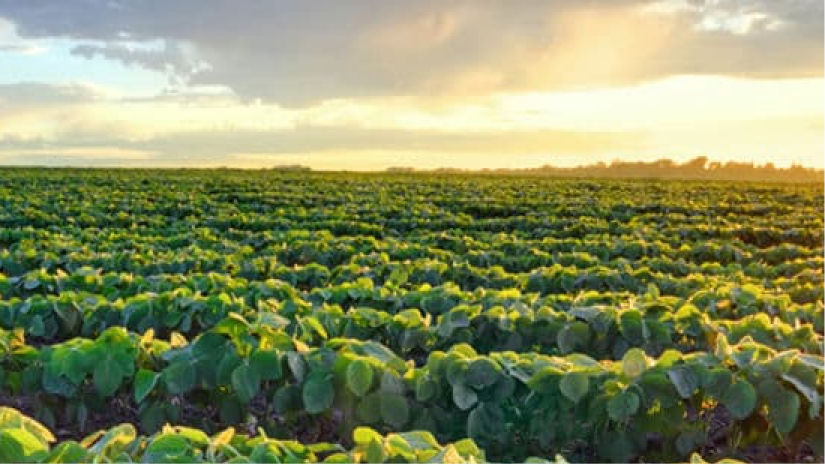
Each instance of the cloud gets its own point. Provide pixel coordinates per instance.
(324, 148)
(684, 116)
(83, 153)
(51, 122)
(38, 93)
(743, 17)
(94, 156)
(298, 53)
(320, 139)
(217, 143)
(23, 49)
(176, 60)
(10, 42)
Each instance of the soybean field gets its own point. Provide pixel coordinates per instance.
(278, 316)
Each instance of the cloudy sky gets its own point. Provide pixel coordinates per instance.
(363, 84)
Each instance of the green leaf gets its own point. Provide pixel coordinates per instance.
(464, 396)
(145, 381)
(297, 365)
(19, 445)
(375, 451)
(152, 417)
(226, 366)
(365, 435)
(669, 358)
(359, 377)
(230, 410)
(58, 384)
(634, 362)
(324, 447)
(574, 385)
(425, 388)
(394, 410)
(37, 328)
(166, 448)
(107, 376)
(369, 408)
(13, 417)
(482, 373)
(808, 390)
(383, 354)
(179, 377)
(783, 410)
(717, 382)
(342, 458)
(657, 386)
(684, 379)
(467, 448)
(315, 325)
(398, 446)
(266, 364)
(114, 440)
(317, 392)
(546, 380)
(391, 383)
(196, 436)
(582, 360)
(616, 446)
(448, 454)
(697, 458)
(265, 452)
(286, 398)
(587, 313)
(572, 336)
(209, 346)
(812, 360)
(623, 405)
(740, 399)
(246, 382)
(420, 439)
(68, 451)
(486, 423)
(631, 326)
(504, 388)
(689, 440)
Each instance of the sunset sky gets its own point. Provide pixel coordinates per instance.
(372, 84)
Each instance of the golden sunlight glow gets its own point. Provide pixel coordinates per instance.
(680, 117)
(425, 84)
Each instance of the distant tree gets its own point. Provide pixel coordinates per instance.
(697, 163)
(697, 168)
(291, 167)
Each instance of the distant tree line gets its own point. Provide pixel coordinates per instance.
(290, 167)
(697, 168)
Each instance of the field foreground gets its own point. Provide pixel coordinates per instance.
(407, 317)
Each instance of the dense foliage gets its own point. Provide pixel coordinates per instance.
(386, 314)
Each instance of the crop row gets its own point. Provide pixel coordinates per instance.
(71, 249)
(26, 440)
(506, 401)
(398, 278)
(597, 324)
(22, 439)
(545, 221)
(792, 275)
